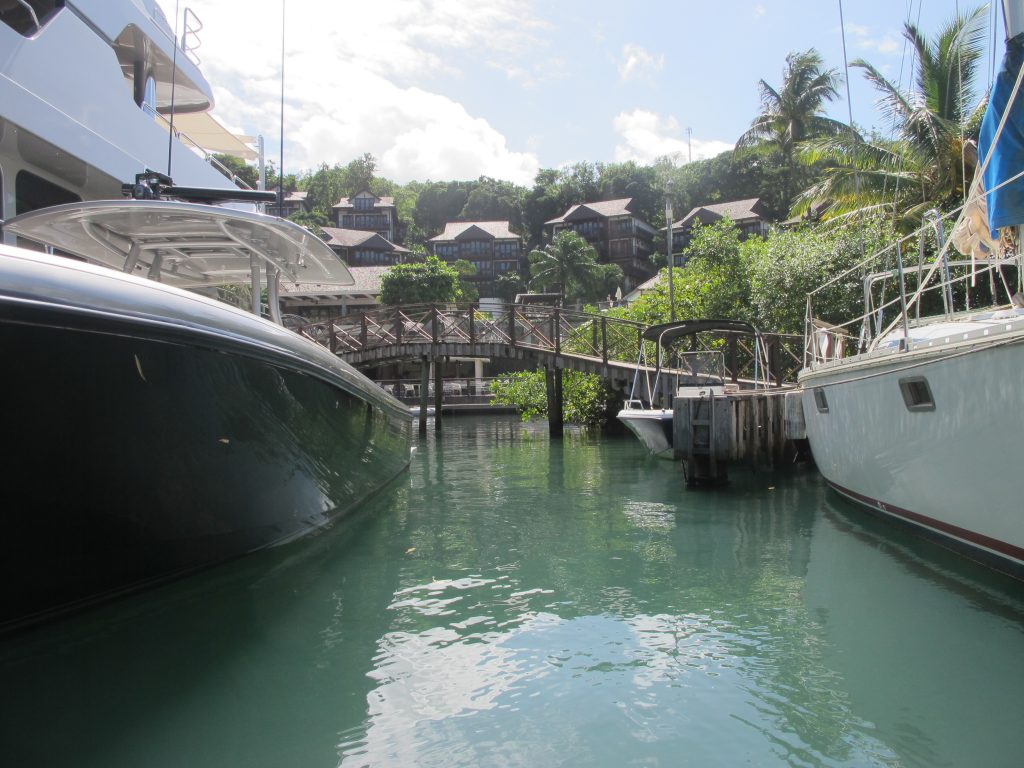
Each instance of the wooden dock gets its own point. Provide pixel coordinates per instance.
(763, 429)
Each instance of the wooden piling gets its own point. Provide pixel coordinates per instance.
(424, 392)
(438, 392)
(553, 380)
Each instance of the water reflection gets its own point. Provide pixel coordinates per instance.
(518, 602)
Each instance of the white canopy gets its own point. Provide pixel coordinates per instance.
(205, 132)
(187, 245)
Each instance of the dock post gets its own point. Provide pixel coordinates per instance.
(438, 392)
(553, 379)
(730, 358)
(424, 390)
(559, 405)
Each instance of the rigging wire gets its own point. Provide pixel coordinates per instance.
(865, 329)
(960, 110)
(849, 110)
(992, 46)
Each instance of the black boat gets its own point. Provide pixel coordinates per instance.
(152, 431)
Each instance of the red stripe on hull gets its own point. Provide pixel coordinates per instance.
(977, 539)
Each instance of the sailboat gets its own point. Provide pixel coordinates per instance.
(918, 419)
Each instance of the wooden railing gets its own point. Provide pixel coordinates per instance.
(552, 330)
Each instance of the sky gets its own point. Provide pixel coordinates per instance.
(457, 89)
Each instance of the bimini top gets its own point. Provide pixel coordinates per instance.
(666, 333)
(187, 245)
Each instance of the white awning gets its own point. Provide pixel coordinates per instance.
(205, 132)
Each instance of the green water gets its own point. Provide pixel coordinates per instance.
(519, 602)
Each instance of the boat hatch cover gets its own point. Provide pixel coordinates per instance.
(187, 245)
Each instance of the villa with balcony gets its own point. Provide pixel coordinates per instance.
(749, 216)
(618, 235)
(364, 249)
(369, 213)
(294, 202)
(490, 246)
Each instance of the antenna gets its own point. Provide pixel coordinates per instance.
(174, 78)
(280, 170)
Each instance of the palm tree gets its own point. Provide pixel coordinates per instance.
(793, 114)
(922, 167)
(568, 264)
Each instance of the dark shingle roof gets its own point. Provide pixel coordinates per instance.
(603, 209)
(737, 210)
(358, 238)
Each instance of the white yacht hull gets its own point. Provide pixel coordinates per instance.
(950, 470)
(652, 426)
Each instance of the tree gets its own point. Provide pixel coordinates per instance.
(569, 266)
(466, 271)
(290, 181)
(921, 167)
(507, 285)
(793, 114)
(358, 176)
(715, 283)
(238, 168)
(314, 221)
(428, 282)
(324, 188)
(494, 200)
(784, 267)
(440, 202)
(586, 396)
(641, 183)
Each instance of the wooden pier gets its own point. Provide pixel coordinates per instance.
(763, 429)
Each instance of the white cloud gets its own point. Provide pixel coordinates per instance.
(361, 83)
(759, 11)
(866, 38)
(535, 74)
(646, 136)
(639, 63)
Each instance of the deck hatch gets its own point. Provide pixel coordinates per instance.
(917, 395)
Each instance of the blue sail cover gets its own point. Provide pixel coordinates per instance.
(1005, 205)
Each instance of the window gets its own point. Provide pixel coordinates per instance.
(23, 17)
(624, 226)
(367, 221)
(363, 203)
(34, 192)
(149, 96)
(476, 248)
(820, 401)
(917, 395)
